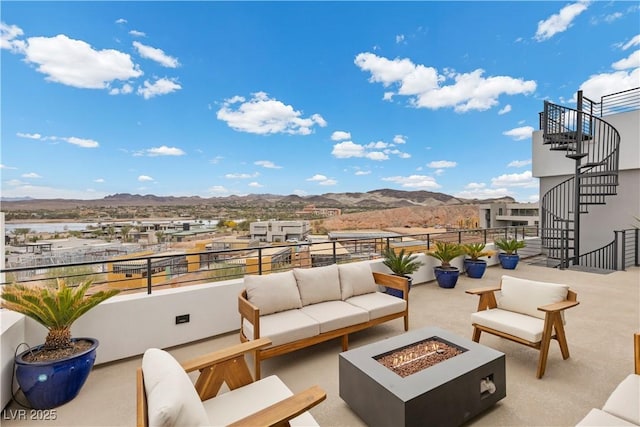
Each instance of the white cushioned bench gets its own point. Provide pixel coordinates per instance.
(622, 408)
(305, 306)
(525, 311)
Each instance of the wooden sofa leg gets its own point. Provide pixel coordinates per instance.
(406, 323)
(345, 342)
(256, 365)
(544, 344)
(476, 334)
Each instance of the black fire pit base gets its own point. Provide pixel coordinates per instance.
(446, 394)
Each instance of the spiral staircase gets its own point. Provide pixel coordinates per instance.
(593, 144)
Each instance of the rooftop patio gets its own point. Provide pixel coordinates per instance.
(599, 333)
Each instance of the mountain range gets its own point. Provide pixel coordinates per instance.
(375, 199)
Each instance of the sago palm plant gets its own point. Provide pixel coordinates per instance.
(55, 308)
(510, 246)
(401, 263)
(446, 252)
(475, 251)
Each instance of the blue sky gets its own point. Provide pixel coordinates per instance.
(212, 99)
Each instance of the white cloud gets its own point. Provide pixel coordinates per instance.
(216, 160)
(156, 55)
(6, 167)
(218, 189)
(561, 21)
(400, 38)
(99, 180)
(426, 88)
(317, 178)
(241, 175)
(81, 142)
(136, 33)
(164, 151)
(379, 145)
(16, 188)
(263, 115)
(58, 58)
(475, 185)
(328, 182)
(124, 90)
(145, 178)
(255, 185)
(30, 175)
(377, 156)
(267, 164)
(438, 164)
(347, 149)
(377, 150)
(518, 134)
(29, 135)
(606, 83)
(483, 193)
(121, 21)
(399, 139)
(421, 182)
(362, 173)
(340, 135)
(161, 86)
(631, 61)
(519, 163)
(524, 179)
(8, 35)
(506, 109)
(635, 41)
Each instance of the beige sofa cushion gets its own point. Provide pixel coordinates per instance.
(172, 399)
(332, 315)
(624, 402)
(356, 278)
(234, 405)
(274, 292)
(378, 304)
(284, 327)
(525, 296)
(318, 284)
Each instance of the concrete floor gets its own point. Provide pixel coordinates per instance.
(599, 332)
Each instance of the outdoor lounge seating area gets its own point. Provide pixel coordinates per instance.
(599, 332)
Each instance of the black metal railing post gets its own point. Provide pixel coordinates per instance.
(149, 281)
(260, 261)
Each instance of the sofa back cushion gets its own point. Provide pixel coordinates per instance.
(273, 292)
(172, 399)
(525, 296)
(356, 278)
(318, 284)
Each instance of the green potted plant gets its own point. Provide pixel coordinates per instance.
(53, 373)
(473, 265)
(401, 264)
(445, 252)
(509, 256)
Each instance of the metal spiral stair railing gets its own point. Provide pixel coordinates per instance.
(594, 145)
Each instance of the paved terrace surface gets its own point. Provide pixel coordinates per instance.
(599, 333)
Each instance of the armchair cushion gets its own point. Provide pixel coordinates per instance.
(525, 296)
(274, 292)
(171, 398)
(600, 418)
(231, 406)
(526, 327)
(356, 278)
(624, 402)
(318, 284)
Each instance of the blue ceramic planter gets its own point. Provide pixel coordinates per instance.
(508, 262)
(397, 293)
(446, 277)
(48, 385)
(475, 269)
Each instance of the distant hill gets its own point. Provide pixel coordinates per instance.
(376, 199)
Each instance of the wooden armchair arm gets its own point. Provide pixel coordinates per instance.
(558, 306)
(480, 291)
(392, 281)
(280, 413)
(224, 355)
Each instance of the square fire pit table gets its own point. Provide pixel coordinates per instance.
(448, 393)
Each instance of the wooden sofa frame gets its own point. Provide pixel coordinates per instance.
(229, 366)
(251, 313)
(553, 324)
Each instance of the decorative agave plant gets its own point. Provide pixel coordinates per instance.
(446, 252)
(55, 308)
(401, 263)
(510, 246)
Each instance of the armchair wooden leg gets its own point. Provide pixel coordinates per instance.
(345, 342)
(406, 322)
(561, 337)
(544, 345)
(256, 365)
(476, 334)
